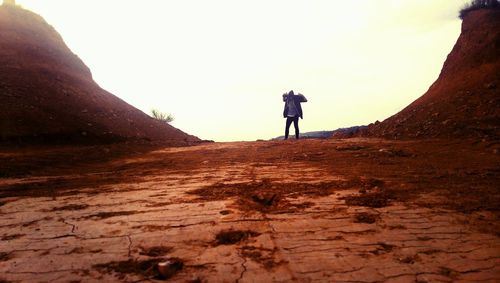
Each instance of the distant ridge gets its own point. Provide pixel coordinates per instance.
(465, 99)
(344, 132)
(47, 94)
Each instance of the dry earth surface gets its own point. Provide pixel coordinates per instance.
(357, 210)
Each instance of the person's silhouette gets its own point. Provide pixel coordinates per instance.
(293, 111)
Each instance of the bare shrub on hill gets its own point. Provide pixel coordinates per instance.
(476, 5)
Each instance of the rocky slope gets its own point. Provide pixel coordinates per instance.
(464, 101)
(47, 93)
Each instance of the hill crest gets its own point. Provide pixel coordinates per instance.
(48, 94)
(464, 101)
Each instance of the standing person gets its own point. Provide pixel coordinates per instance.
(293, 111)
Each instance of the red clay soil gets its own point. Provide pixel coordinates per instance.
(465, 172)
(226, 211)
(47, 93)
(465, 99)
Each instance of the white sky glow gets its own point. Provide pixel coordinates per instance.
(221, 66)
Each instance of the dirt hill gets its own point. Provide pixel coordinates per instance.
(47, 93)
(464, 101)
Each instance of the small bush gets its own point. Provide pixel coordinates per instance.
(164, 117)
(476, 5)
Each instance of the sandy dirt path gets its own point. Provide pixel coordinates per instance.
(316, 210)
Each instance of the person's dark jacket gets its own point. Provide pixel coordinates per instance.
(297, 99)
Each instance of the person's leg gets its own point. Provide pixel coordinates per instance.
(287, 126)
(296, 126)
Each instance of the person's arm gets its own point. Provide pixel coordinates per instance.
(302, 97)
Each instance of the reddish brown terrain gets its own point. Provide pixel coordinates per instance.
(48, 95)
(331, 210)
(465, 99)
(356, 210)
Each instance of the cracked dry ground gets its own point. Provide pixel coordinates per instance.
(356, 210)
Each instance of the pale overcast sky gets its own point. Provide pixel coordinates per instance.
(220, 66)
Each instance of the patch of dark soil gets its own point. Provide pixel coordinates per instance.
(195, 280)
(29, 223)
(386, 247)
(448, 272)
(12, 237)
(395, 152)
(431, 251)
(64, 186)
(375, 199)
(147, 268)
(397, 226)
(266, 257)
(383, 248)
(365, 218)
(371, 183)
(473, 198)
(104, 215)
(231, 237)
(155, 251)
(78, 250)
(266, 200)
(81, 250)
(270, 203)
(71, 207)
(424, 238)
(349, 147)
(263, 189)
(21, 161)
(271, 197)
(336, 238)
(4, 256)
(408, 259)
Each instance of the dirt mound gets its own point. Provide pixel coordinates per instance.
(464, 101)
(47, 93)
